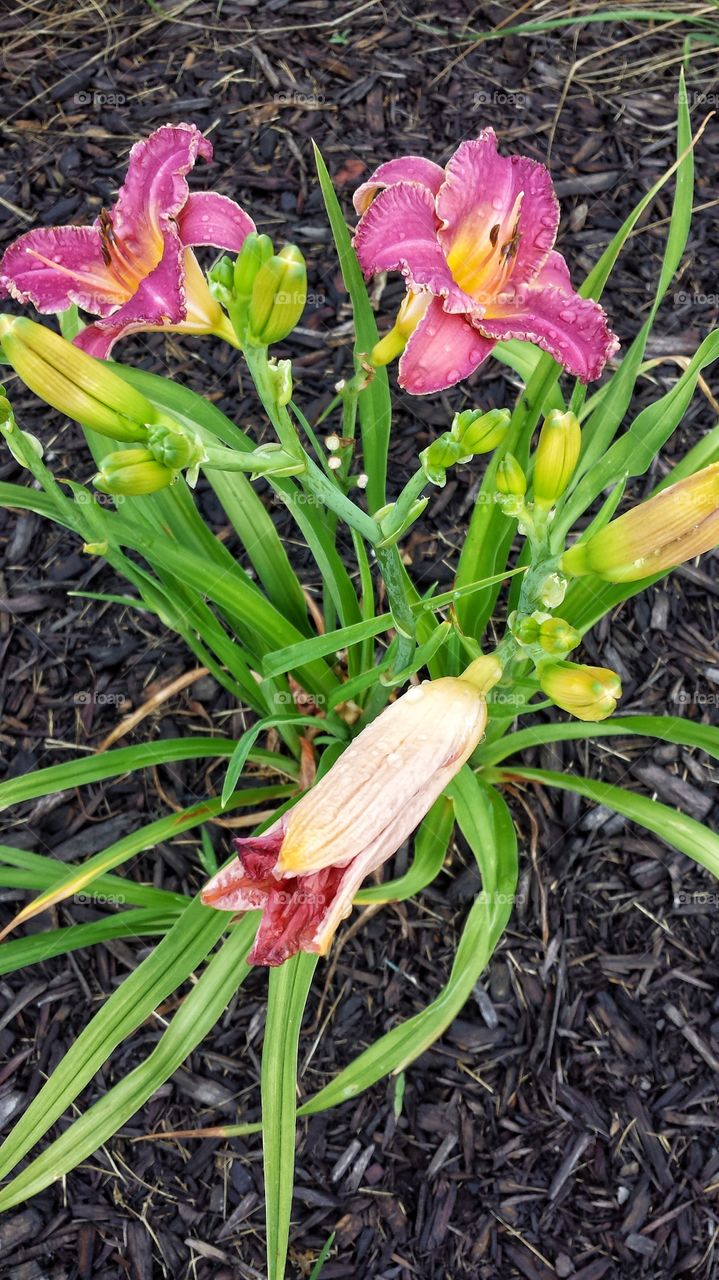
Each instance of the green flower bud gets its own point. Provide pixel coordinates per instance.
(441, 453)
(589, 693)
(557, 636)
(510, 479)
(132, 472)
(479, 432)
(74, 382)
(675, 525)
(278, 297)
(221, 279)
(175, 447)
(527, 631)
(255, 251)
(560, 441)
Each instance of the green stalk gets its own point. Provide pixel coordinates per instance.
(313, 478)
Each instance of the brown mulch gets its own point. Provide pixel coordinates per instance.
(566, 1123)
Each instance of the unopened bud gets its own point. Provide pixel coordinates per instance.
(589, 693)
(256, 250)
(678, 524)
(132, 472)
(510, 479)
(278, 297)
(478, 432)
(557, 636)
(552, 591)
(526, 631)
(221, 279)
(175, 447)
(74, 382)
(560, 441)
(441, 453)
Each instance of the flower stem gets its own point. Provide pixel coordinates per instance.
(313, 478)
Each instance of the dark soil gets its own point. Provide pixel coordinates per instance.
(566, 1124)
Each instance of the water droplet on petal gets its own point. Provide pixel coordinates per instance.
(394, 758)
(414, 694)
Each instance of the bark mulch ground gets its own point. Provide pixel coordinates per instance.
(566, 1124)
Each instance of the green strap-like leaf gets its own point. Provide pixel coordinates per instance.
(674, 828)
(41, 871)
(196, 1016)
(244, 507)
(146, 837)
(288, 990)
(112, 764)
(667, 728)
(169, 965)
(20, 952)
(375, 408)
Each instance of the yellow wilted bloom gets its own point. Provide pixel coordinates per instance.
(589, 693)
(679, 523)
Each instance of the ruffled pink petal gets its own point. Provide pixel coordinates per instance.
(158, 302)
(484, 190)
(155, 187)
(209, 218)
(554, 273)
(572, 329)
(399, 232)
(403, 169)
(443, 350)
(53, 267)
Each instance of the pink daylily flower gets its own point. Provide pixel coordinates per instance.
(134, 267)
(474, 242)
(305, 871)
